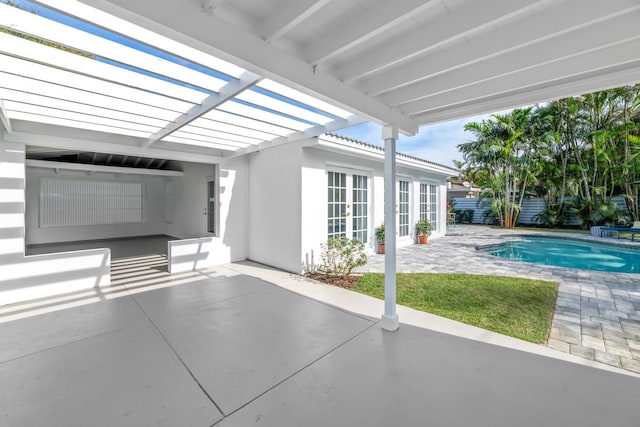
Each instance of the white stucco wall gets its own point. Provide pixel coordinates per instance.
(315, 164)
(274, 212)
(27, 277)
(190, 201)
(288, 201)
(153, 209)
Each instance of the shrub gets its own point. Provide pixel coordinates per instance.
(464, 215)
(340, 256)
(597, 212)
(553, 215)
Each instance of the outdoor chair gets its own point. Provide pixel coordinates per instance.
(610, 231)
(451, 219)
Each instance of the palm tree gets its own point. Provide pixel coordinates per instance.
(505, 146)
(585, 148)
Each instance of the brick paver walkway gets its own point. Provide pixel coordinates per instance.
(597, 314)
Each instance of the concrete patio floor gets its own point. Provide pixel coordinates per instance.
(243, 344)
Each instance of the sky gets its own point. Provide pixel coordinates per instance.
(437, 143)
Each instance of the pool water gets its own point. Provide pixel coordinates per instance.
(568, 253)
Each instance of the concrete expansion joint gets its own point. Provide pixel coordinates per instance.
(175, 352)
(314, 361)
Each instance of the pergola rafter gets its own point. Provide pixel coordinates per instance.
(278, 24)
(4, 118)
(227, 92)
(146, 85)
(365, 26)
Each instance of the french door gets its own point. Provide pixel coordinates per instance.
(348, 206)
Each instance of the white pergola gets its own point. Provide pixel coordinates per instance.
(287, 69)
(158, 96)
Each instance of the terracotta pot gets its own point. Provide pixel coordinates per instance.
(382, 248)
(423, 240)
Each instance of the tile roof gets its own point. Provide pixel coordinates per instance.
(381, 149)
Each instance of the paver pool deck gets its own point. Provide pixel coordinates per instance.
(597, 314)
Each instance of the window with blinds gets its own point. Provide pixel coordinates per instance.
(66, 202)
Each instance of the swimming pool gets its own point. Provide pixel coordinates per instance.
(561, 252)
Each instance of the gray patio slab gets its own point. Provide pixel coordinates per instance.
(58, 328)
(250, 342)
(419, 377)
(128, 377)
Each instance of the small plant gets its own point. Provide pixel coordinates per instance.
(451, 204)
(380, 234)
(423, 228)
(341, 255)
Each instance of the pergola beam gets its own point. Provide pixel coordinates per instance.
(539, 65)
(210, 6)
(4, 118)
(186, 23)
(47, 164)
(477, 17)
(367, 24)
(298, 136)
(84, 144)
(230, 90)
(283, 19)
(510, 84)
(598, 80)
(574, 30)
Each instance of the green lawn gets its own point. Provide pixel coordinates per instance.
(521, 308)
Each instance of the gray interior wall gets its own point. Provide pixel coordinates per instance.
(153, 210)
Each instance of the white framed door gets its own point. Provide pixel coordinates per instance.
(403, 226)
(348, 205)
(429, 204)
(210, 209)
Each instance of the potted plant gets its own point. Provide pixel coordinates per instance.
(423, 231)
(380, 237)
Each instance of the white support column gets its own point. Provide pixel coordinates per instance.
(390, 317)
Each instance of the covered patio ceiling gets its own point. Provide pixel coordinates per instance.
(410, 63)
(227, 77)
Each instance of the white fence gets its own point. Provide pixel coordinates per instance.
(530, 208)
